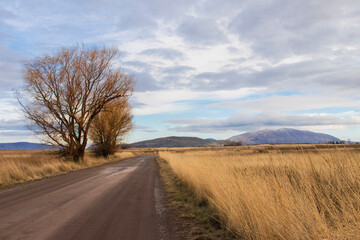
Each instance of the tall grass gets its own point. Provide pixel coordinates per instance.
(23, 166)
(296, 195)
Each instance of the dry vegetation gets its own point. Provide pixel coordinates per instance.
(264, 193)
(23, 166)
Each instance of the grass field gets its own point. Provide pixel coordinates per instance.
(277, 192)
(23, 166)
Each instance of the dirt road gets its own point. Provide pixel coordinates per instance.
(116, 201)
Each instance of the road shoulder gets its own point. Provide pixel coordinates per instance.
(191, 217)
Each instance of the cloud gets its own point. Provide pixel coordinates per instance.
(165, 53)
(268, 34)
(201, 31)
(247, 122)
(13, 124)
(281, 28)
(178, 70)
(6, 15)
(131, 21)
(17, 133)
(137, 65)
(10, 71)
(226, 80)
(157, 9)
(294, 102)
(170, 101)
(144, 81)
(145, 129)
(324, 74)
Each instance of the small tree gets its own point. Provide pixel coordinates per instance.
(112, 123)
(67, 90)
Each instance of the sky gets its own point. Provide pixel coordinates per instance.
(206, 68)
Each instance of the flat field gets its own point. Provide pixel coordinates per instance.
(23, 166)
(276, 192)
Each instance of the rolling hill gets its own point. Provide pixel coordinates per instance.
(24, 146)
(283, 135)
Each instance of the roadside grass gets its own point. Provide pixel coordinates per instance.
(198, 221)
(23, 166)
(297, 194)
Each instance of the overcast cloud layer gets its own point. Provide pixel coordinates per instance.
(203, 68)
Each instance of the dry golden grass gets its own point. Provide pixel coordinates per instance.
(23, 166)
(277, 195)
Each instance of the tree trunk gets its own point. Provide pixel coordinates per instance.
(78, 155)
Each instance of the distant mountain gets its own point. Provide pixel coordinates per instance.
(283, 135)
(176, 142)
(24, 146)
(209, 139)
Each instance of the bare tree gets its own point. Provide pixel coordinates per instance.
(67, 90)
(109, 126)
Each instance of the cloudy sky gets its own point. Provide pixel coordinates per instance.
(207, 68)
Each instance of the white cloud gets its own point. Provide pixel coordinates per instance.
(250, 122)
(295, 102)
(163, 101)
